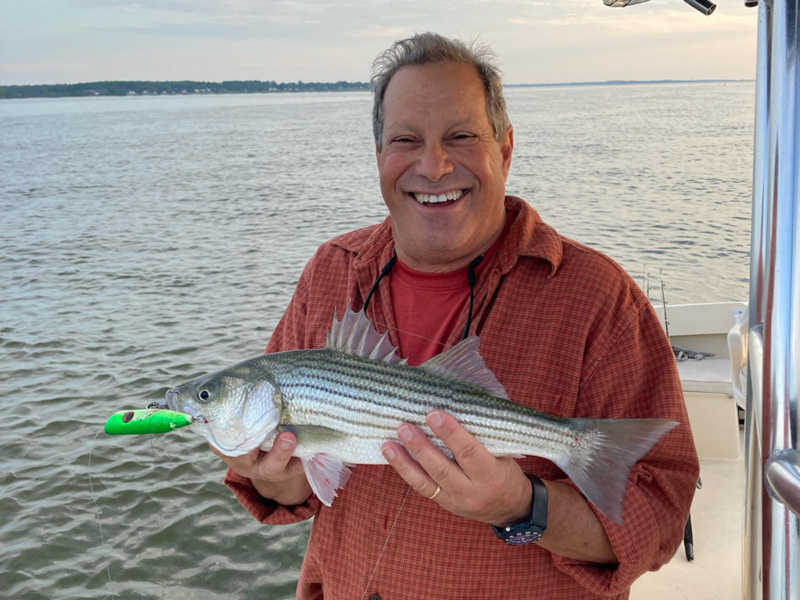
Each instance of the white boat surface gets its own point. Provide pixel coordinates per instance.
(714, 393)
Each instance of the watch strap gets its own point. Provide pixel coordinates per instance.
(530, 530)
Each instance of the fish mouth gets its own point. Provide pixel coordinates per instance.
(172, 400)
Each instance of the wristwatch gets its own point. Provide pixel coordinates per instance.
(531, 530)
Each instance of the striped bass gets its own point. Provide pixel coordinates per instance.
(344, 401)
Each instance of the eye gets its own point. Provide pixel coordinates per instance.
(462, 138)
(403, 140)
(204, 394)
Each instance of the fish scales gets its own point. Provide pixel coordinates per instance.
(351, 391)
(343, 402)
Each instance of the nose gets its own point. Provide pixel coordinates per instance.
(434, 162)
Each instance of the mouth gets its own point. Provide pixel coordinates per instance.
(173, 402)
(443, 198)
(172, 399)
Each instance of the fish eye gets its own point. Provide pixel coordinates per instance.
(204, 394)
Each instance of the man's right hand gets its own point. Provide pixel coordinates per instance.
(276, 474)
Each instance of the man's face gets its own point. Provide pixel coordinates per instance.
(442, 173)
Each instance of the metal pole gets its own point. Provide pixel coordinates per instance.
(755, 494)
(773, 463)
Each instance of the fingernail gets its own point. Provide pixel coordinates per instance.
(388, 452)
(435, 418)
(404, 433)
(287, 444)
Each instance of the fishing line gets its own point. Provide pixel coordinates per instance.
(386, 543)
(97, 508)
(160, 513)
(410, 333)
(100, 523)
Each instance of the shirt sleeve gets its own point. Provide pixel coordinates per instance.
(637, 378)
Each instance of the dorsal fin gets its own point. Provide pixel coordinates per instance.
(464, 361)
(355, 335)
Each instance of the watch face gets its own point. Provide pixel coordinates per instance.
(526, 537)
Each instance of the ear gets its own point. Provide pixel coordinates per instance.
(507, 149)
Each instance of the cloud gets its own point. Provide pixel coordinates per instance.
(185, 30)
(378, 31)
(314, 40)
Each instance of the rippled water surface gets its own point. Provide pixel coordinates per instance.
(147, 240)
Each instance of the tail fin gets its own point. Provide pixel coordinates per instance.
(608, 448)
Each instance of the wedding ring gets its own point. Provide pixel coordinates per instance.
(436, 493)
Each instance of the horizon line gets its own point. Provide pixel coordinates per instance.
(300, 81)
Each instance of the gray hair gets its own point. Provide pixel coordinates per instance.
(431, 48)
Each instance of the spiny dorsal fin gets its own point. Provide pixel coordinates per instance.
(355, 335)
(464, 361)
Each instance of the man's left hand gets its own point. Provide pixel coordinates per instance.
(474, 484)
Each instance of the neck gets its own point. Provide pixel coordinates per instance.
(434, 264)
(431, 260)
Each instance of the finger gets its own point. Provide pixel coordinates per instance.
(257, 464)
(472, 456)
(410, 470)
(283, 447)
(437, 466)
(279, 456)
(241, 465)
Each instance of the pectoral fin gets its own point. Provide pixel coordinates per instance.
(325, 473)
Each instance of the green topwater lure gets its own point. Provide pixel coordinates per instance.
(150, 420)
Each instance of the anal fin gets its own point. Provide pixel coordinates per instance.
(325, 474)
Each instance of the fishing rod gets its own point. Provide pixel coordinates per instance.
(704, 6)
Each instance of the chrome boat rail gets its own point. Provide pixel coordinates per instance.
(772, 460)
(772, 453)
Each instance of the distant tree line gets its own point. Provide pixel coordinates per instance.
(131, 88)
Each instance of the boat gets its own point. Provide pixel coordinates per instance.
(770, 525)
(710, 345)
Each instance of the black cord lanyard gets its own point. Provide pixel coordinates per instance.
(384, 271)
(470, 280)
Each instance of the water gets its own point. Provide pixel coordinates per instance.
(147, 240)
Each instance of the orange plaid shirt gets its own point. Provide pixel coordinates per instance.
(567, 332)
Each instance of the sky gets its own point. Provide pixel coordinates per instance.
(536, 41)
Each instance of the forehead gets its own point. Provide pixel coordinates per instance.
(439, 90)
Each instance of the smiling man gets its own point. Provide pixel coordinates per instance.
(442, 171)
(564, 329)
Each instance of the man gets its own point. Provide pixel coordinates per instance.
(565, 330)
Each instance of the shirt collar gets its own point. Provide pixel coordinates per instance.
(529, 236)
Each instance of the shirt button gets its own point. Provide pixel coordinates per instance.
(374, 597)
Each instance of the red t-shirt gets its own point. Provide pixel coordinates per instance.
(445, 295)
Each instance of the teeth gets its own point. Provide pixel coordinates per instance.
(432, 198)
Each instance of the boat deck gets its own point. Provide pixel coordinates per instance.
(717, 516)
